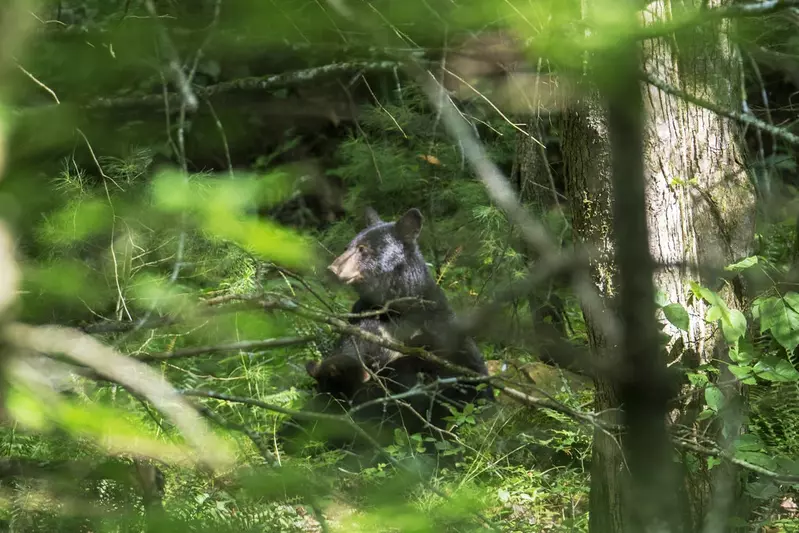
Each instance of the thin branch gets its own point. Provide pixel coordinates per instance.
(115, 326)
(264, 344)
(254, 437)
(173, 61)
(39, 83)
(721, 454)
(705, 16)
(737, 116)
(253, 83)
(533, 232)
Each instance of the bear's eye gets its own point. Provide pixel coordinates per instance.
(362, 248)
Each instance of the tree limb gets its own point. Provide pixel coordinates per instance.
(264, 344)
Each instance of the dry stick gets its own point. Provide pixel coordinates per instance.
(727, 456)
(252, 83)
(146, 322)
(704, 16)
(252, 435)
(301, 280)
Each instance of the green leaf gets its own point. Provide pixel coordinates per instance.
(743, 351)
(780, 316)
(757, 458)
(774, 368)
(743, 264)
(788, 465)
(748, 442)
(696, 379)
(714, 398)
(696, 289)
(743, 373)
(733, 325)
(704, 415)
(677, 316)
(713, 314)
(762, 490)
(712, 298)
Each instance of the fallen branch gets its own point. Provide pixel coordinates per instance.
(252, 83)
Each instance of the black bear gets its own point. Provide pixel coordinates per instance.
(358, 371)
(352, 362)
(344, 380)
(384, 265)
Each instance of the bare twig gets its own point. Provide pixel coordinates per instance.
(264, 344)
(254, 83)
(252, 435)
(182, 82)
(706, 16)
(722, 111)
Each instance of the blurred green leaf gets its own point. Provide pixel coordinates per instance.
(677, 316)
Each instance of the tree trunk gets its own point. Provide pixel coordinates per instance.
(587, 155)
(535, 181)
(700, 214)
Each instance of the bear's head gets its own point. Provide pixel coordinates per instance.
(383, 262)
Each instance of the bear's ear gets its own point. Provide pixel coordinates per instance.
(312, 367)
(371, 217)
(409, 225)
(365, 375)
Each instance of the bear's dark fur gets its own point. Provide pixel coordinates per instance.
(384, 264)
(352, 362)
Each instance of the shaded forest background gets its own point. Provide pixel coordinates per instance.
(179, 175)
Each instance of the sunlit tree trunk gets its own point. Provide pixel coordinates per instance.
(700, 213)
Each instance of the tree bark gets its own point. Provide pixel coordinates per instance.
(700, 217)
(534, 179)
(587, 154)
